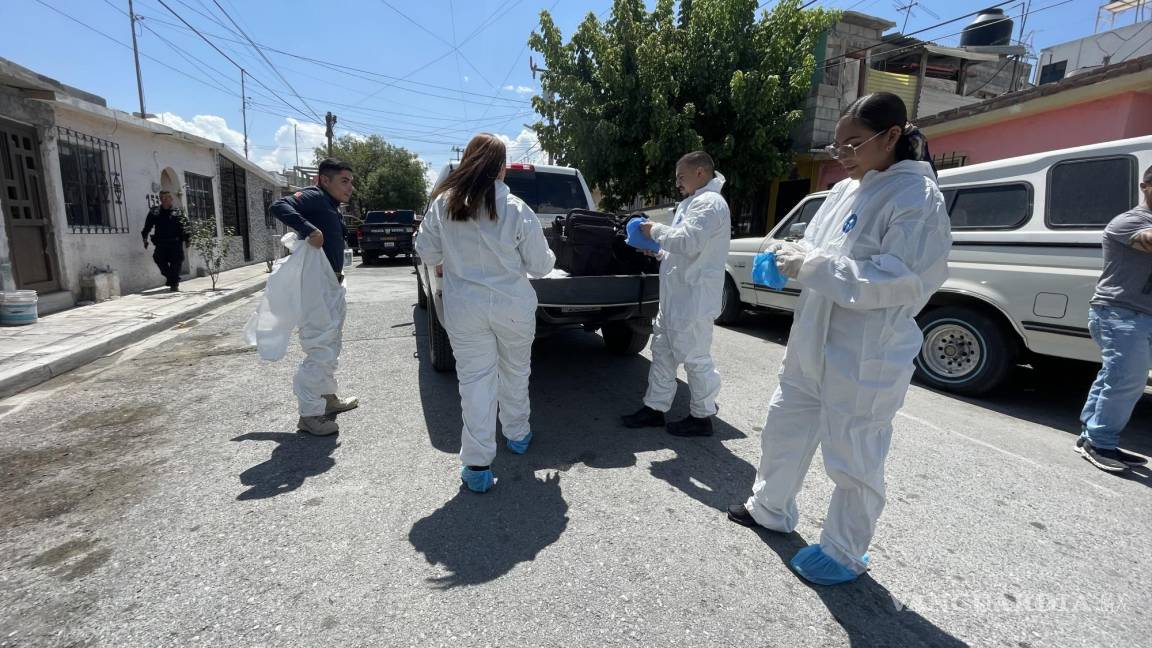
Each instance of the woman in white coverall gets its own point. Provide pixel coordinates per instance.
(489, 242)
(869, 261)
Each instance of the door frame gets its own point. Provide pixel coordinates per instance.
(38, 199)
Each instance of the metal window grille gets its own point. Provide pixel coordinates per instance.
(199, 197)
(269, 220)
(949, 161)
(93, 183)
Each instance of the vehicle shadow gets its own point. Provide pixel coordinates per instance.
(579, 391)
(865, 609)
(385, 262)
(295, 458)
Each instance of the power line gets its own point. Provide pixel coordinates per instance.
(266, 60)
(459, 53)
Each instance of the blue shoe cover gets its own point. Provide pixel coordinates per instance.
(520, 446)
(477, 481)
(637, 239)
(765, 272)
(817, 567)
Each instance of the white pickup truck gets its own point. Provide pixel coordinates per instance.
(1025, 260)
(620, 306)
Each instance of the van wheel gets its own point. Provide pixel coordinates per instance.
(421, 298)
(622, 339)
(731, 308)
(439, 344)
(965, 351)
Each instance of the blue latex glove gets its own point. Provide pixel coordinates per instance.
(765, 272)
(637, 239)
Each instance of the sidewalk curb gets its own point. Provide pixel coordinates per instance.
(23, 379)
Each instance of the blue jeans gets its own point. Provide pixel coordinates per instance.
(1125, 339)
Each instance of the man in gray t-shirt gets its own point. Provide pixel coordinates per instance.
(1121, 323)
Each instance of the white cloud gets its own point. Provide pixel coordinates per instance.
(307, 136)
(524, 148)
(211, 127)
(519, 89)
(431, 172)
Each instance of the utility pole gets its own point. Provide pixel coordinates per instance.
(552, 96)
(329, 122)
(136, 55)
(244, 111)
(457, 150)
(296, 140)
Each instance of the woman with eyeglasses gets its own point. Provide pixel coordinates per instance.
(869, 261)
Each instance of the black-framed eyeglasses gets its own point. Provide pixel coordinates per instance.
(848, 151)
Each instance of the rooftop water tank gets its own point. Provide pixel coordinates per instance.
(990, 28)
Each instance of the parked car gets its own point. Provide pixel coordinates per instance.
(620, 306)
(352, 233)
(388, 233)
(1025, 260)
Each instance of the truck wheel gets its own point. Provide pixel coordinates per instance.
(421, 298)
(965, 351)
(731, 308)
(622, 339)
(439, 344)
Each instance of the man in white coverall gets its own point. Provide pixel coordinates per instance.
(315, 215)
(692, 252)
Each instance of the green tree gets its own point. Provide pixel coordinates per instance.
(212, 248)
(622, 100)
(385, 176)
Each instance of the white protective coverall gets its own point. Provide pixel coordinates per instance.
(876, 252)
(489, 312)
(695, 247)
(303, 293)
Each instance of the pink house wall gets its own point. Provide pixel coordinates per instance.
(1119, 117)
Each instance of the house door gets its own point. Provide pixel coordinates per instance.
(234, 193)
(26, 217)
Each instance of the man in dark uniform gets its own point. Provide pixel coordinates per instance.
(170, 239)
(314, 212)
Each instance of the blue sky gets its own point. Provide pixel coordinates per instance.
(409, 83)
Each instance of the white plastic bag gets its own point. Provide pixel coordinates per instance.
(302, 279)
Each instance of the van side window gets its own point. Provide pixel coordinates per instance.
(997, 207)
(1090, 193)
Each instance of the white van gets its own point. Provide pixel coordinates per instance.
(1025, 260)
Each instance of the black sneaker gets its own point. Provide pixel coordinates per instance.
(739, 514)
(1106, 460)
(1130, 458)
(644, 417)
(691, 427)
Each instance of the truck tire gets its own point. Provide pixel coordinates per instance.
(622, 339)
(370, 258)
(965, 351)
(421, 298)
(731, 308)
(439, 346)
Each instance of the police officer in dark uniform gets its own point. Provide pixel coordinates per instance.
(170, 239)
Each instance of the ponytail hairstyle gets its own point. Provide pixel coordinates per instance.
(472, 184)
(881, 111)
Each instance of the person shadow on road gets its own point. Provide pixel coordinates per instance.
(479, 539)
(295, 458)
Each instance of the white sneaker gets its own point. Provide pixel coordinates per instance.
(336, 405)
(318, 425)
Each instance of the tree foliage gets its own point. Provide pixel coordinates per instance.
(385, 176)
(622, 100)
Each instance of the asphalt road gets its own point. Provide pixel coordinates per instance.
(161, 497)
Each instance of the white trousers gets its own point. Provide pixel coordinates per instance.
(321, 335)
(493, 350)
(688, 344)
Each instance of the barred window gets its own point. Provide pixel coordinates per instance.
(269, 220)
(199, 197)
(92, 178)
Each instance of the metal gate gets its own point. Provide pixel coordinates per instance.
(26, 217)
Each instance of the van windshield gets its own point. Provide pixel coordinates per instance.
(547, 193)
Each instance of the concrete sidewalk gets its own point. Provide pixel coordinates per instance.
(59, 343)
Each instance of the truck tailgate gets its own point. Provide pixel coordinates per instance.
(615, 290)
